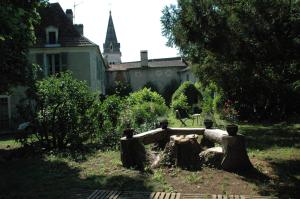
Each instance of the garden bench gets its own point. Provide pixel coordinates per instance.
(234, 149)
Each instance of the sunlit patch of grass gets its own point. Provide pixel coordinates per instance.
(194, 178)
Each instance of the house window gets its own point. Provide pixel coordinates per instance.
(52, 38)
(51, 35)
(5, 113)
(187, 77)
(53, 64)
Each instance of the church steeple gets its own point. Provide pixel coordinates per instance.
(111, 46)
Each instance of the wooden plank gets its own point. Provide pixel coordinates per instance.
(116, 195)
(152, 195)
(173, 195)
(156, 195)
(103, 195)
(152, 136)
(215, 135)
(186, 131)
(92, 195)
(178, 196)
(113, 195)
(162, 195)
(167, 195)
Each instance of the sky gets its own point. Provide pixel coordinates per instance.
(137, 24)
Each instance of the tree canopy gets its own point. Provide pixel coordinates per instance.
(249, 48)
(17, 19)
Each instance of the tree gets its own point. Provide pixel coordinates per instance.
(17, 19)
(250, 49)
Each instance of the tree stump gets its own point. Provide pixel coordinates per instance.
(133, 153)
(212, 157)
(235, 154)
(186, 151)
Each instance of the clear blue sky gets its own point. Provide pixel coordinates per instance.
(137, 24)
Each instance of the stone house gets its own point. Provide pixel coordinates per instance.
(60, 46)
(158, 72)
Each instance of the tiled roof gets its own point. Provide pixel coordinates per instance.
(152, 63)
(68, 36)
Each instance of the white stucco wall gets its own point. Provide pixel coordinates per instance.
(160, 76)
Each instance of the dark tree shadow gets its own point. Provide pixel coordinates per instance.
(286, 185)
(35, 176)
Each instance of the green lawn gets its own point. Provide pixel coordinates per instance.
(274, 151)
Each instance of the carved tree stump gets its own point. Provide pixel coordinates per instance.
(235, 154)
(186, 151)
(133, 153)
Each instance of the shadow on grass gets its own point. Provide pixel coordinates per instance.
(267, 136)
(286, 183)
(38, 177)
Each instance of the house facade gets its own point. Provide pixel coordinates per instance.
(60, 46)
(158, 72)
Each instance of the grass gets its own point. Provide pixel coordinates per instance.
(274, 150)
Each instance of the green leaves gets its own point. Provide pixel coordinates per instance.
(248, 48)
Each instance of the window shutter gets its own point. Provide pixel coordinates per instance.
(39, 57)
(64, 61)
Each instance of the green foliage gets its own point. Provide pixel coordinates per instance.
(143, 109)
(17, 19)
(65, 110)
(190, 91)
(212, 99)
(109, 132)
(181, 104)
(151, 86)
(248, 48)
(169, 90)
(120, 88)
(185, 97)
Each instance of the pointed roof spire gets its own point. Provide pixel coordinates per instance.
(111, 37)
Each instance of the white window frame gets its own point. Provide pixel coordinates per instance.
(48, 30)
(53, 63)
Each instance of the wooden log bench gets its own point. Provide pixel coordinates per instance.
(235, 154)
(234, 149)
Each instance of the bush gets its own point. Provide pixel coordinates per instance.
(190, 91)
(192, 96)
(143, 109)
(120, 88)
(151, 86)
(64, 111)
(181, 104)
(169, 90)
(213, 99)
(109, 131)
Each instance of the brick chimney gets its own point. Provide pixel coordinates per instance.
(69, 14)
(79, 28)
(144, 58)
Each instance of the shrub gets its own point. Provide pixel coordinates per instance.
(169, 90)
(109, 131)
(64, 111)
(120, 88)
(192, 96)
(151, 86)
(190, 91)
(143, 109)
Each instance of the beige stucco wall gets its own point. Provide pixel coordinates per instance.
(85, 63)
(79, 64)
(187, 75)
(160, 76)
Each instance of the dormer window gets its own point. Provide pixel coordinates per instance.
(51, 36)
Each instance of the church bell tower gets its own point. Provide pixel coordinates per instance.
(111, 46)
